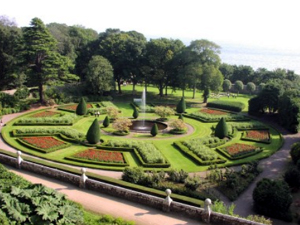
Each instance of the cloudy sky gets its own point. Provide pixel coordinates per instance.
(266, 23)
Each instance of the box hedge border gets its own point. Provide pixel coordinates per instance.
(227, 105)
(255, 140)
(215, 120)
(185, 150)
(245, 155)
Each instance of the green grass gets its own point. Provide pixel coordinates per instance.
(162, 141)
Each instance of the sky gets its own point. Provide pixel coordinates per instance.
(263, 23)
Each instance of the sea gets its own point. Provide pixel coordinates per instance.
(261, 57)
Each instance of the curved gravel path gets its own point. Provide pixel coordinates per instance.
(273, 167)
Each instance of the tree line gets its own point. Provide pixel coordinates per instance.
(55, 54)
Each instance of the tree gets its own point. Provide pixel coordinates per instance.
(81, 108)
(135, 113)
(226, 70)
(295, 152)
(242, 73)
(40, 55)
(154, 130)
(99, 75)
(250, 87)
(221, 130)
(181, 106)
(292, 178)
(106, 122)
(226, 85)
(205, 95)
(93, 134)
(238, 86)
(273, 198)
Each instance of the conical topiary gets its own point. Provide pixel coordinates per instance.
(81, 107)
(106, 122)
(221, 129)
(181, 106)
(93, 134)
(135, 113)
(180, 117)
(154, 130)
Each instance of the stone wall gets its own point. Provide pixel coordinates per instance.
(141, 198)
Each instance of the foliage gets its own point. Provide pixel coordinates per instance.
(273, 198)
(292, 177)
(226, 85)
(163, 112)
(181, 106)
(178, 124)
(295, 152)
(220, 207)
(180, 117)
(206, 93)
(112, 112)
(106, 121)
(221, 130)
(227, 105)
(81, 107)
(133, 174)
(22, 93)
(238, 86)
(250, 87)
(66, 119)
(178, 176)
(192, 183)
(135, 114)
(122, 124)
(154, 130)
(93, 133)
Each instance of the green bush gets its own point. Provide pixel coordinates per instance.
(273, 198)
(295, 152)
(292, 178)
(192, 183)
(22, 93)
(181, 106)
(93, 134)
(106, 122)
(227, 105)
(133, 175)
(154, 130)
(221, 129)
(135, 113)
(177, 176)
(81, 107)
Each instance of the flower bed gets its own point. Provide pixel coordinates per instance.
(43, 144)
(212, 111)
(73, 107)
(257, 136)
(101, 155)
(238, 150)
(45, 114)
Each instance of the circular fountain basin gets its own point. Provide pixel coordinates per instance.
(145, 126)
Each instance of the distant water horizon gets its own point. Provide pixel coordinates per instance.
(260, 57)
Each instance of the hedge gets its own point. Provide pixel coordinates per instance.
(241, 156)
(227, 105)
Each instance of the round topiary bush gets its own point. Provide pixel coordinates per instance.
(221, 130)
(273, 198)
(292, 177)
(106, 122)
(295, 152)
(154, 130)
(81, 108)
(93, 134)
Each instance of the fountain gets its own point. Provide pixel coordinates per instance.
(144, 126)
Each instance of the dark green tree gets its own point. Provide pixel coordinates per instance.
(273, 198)
(295, 152)
(106, 121)
(93, 134)
(154, 130)
(221, 129)
(41, 57)
(238, 86)
(135, 113)
(81, 108)
(226, 85)
(181, 106)
(251, 87)
(205, 95)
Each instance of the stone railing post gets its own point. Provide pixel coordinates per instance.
(83, 178)
(207, 210)
(19, 159)
(167, 202)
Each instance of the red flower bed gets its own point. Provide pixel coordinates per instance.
(212, 112)
(101, 155)
(44, 114)
(44, 142)
(239, 149)
(260, 135)
(73, 107)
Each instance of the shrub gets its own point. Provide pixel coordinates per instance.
(112, 112)
(221, 129)
(81, 108)
(273, 198)
(135, 113)
(178, 124)
(133, 175)
(295, 152)
(93, 134)
(22, 93)
(164, 112)
(227, 105)
(177, 176)
(181, 106)
(122, 124)
(154, 130)
(192, 183)
(180, 117)
(106, 122)
(292, 178)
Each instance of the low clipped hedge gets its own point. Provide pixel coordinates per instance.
(240, 156)
(227, 105)
(109, 180)
(187, 152)
(212, 118)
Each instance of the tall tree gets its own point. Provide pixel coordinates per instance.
(40, 55)
(99, 75)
